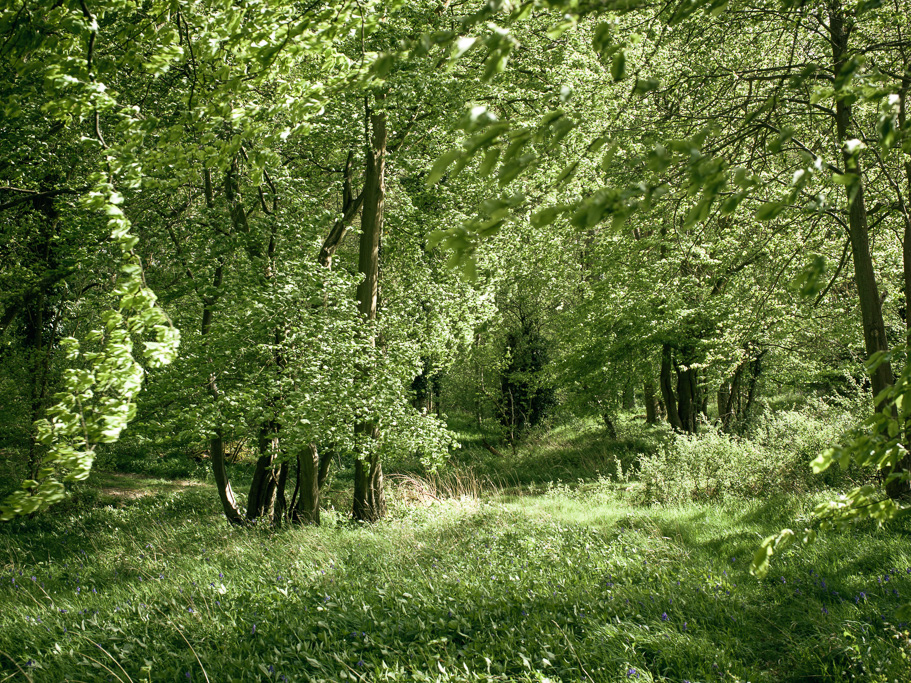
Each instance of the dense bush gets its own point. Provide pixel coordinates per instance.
(774, 456)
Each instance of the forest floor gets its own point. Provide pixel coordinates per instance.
(114, 488)
(566, 582)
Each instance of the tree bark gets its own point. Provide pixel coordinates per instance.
(667, 389)
(728, 397)
(307, 508)
(369, 498)
(687, 399)
(369, 491)
(350, 206)
(261, 501)
(864, 275)
(609, 426)
(281, 502)
(651, 408)
(217, 442)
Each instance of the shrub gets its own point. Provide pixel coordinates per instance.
(709, 466)
(773, 457)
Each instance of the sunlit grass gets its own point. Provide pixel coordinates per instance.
(570, 583)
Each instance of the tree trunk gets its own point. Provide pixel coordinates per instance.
(217, 442)
(905, 464)
(722, 398)
(40, 318)
(755, 370)
(307, 508)
(261, 501)
(727, 410)
(350, 206)
(864, 275)
(667, 389)
(369, 498)
(687, 399)
(281, 502)
(369, 493)
(609, 426)
(651, 409)
(222, 482)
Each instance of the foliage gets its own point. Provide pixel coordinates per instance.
(774, 456)
(525, 396)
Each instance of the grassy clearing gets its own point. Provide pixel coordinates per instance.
(570, 584)
(569, 453)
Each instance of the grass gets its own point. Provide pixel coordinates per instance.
(574, 451)
(571, 583)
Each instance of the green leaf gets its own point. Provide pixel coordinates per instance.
(846, 179)
(490, 160)
(440, 166)
(823, 461)
(769, 210)
(618, 66)
(566, 174)
(602, 40)
(783, 136)
(699, 212)
(545, 217)
(847, 71)
(729, 205)
(761, 558)
(645, 85)
(435, 238)
(810, 280)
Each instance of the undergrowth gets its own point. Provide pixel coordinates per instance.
(576, 557)
(571, 584)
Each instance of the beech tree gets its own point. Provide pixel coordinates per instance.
(691, 191)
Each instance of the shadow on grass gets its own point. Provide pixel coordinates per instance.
(482, 589)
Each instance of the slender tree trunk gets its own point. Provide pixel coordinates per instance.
(217, 442)
(722, 397)
(651, 408)
(41, 323)
(667, 389)
(864, 275)
(755, 371)
(350, 206)
(609, 426)
(369, 490)
(905, 464)
(727, 410)
(905, 204)
(369, 497)
(281, 501)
